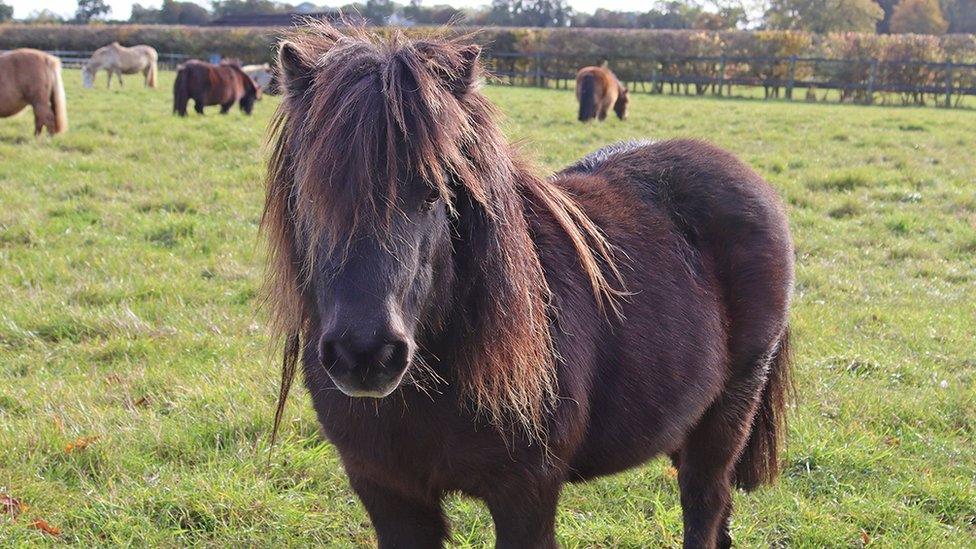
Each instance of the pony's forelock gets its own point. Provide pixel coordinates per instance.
(375, 112)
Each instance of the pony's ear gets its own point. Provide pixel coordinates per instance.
(295, 68)
(467, 72)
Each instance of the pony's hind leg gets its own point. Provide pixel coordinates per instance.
(705, 472)
(224, 108)
(198, 105)
(710, 457)
(43, 118)
(399, 520)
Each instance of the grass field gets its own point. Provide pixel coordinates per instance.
(137, 386)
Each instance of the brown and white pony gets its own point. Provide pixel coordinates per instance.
(118, 60)
(207, 84)
(464, 325)
(598, 90)
(32, 77)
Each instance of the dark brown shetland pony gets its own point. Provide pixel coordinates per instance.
(598, 90)
(465, 326)
(208, 84)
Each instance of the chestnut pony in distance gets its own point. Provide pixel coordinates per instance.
(598, 90)
(207, 84)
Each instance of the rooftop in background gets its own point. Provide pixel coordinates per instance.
(273, 19)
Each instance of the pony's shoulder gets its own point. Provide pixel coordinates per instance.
(598, 158)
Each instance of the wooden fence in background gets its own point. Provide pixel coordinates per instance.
(914, 82)
(946, 83)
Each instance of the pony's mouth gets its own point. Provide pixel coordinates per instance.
(366, 371)
(378, 385)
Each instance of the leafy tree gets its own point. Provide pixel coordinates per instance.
(668, 15)
(919, 17)
(145, 16)
(500, 13)
(44, 16)
(545, 13)
(223, 8)
(822, 16)
(888, 7)
(671, 15)
(189, 13)
(90, 9)
(172, 12)
(6, 12)
(607, 19)
(961, 15)
(378, 11)
(434, 15)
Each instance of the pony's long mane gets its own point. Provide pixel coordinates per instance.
(373, 112)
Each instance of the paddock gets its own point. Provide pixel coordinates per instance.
(137, 387)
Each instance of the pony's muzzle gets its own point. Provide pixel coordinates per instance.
(365, 367)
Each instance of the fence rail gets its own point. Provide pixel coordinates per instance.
(75, 59)
(914, 82)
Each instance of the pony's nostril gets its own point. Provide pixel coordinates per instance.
(351, 354)
(327, 353)
(398, 355)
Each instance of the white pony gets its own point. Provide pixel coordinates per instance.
(262, 76)
(117, 59)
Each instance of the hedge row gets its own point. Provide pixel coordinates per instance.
(256, 44)
(245, 43)
(635, 55)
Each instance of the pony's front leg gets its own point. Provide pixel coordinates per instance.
(525, 514)
(119, 75)
(108, 85)
(399, 520)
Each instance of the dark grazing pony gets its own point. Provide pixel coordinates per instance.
(207, 84)
(466, 326)
(598, 90)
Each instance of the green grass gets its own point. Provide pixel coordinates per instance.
(129, 269)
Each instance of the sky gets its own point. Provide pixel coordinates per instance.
(122, 8)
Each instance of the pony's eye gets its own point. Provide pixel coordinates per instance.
(433, 195)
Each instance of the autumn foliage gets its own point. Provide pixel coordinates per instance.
(918, 17)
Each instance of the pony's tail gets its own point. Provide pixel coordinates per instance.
(181, 95)
(151, 75)
(587, 97)
(759, 462)
(59, 104)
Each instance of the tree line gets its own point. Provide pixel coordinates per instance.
(818, 16)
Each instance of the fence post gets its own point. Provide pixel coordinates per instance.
(871, 81)
(538, 69)
(654, 78)
(792, 78)
(949, 83)
(721, 76)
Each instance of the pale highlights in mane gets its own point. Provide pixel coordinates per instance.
(381, 111)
